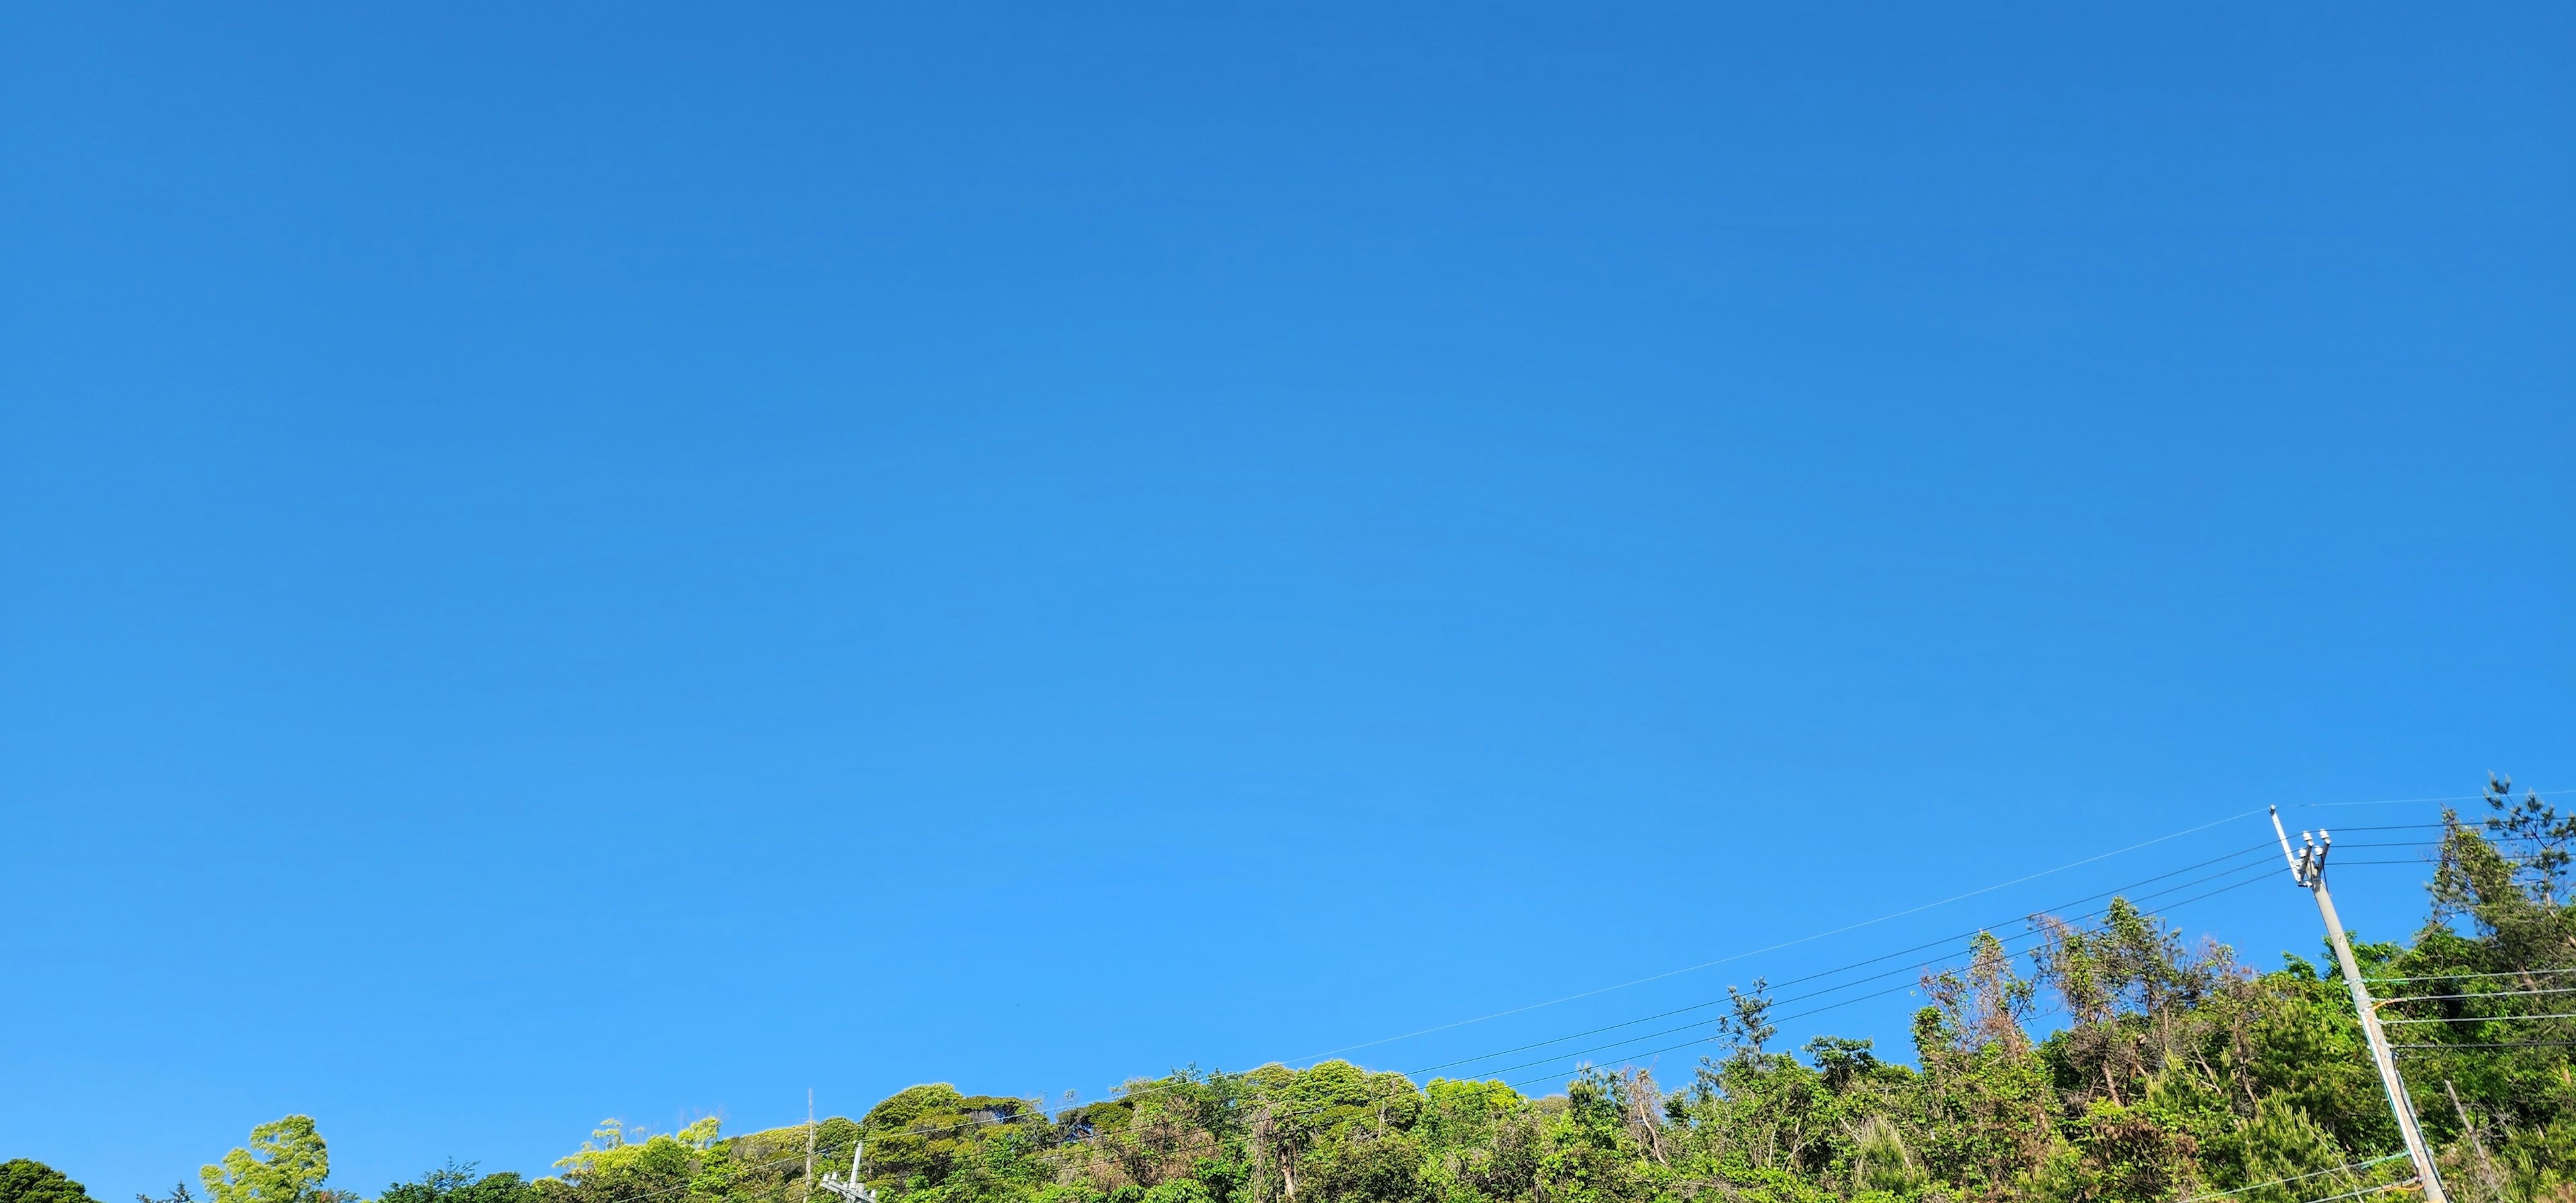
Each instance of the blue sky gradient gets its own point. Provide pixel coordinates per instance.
(634, 560)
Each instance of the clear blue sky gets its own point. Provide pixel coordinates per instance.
(630, 560)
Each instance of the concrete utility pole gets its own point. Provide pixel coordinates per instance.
(808, 1191)
(2308, 868)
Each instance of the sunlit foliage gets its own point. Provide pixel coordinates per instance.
(2164, 1072)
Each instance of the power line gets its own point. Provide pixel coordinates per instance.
(2483, 1018)
(2348, 864)
(1791, 943)
(2493, 1044)
(1040, 1113)
(1796, 1015)
(2367, 1190)
(2010, 940)
(2248, 850)
(1831, 1006)
(1821, 935)
(2034, 936)
(1853, 1000)
(1812, 1011)
(1820, 1010)
(1945, 940)
(2407, 801)
(2349, 1165)
(2444, 977)
(1136, 1096)
(2487, 994)
(1869, 922)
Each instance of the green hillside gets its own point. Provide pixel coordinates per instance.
(2166, 1072)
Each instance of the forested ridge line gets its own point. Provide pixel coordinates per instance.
(2169, 1073)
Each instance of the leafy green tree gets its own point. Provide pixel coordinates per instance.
(286, 1162)
(933, 1137)
(619, 1163)
(1593, 1154)
(24, 1181)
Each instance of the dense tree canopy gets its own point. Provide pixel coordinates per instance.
(455, 1183)
(24, 1181)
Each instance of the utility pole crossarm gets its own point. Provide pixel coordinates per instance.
(851, 1189)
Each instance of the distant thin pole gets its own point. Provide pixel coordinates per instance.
(808, 1184)
(2486, 1164)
